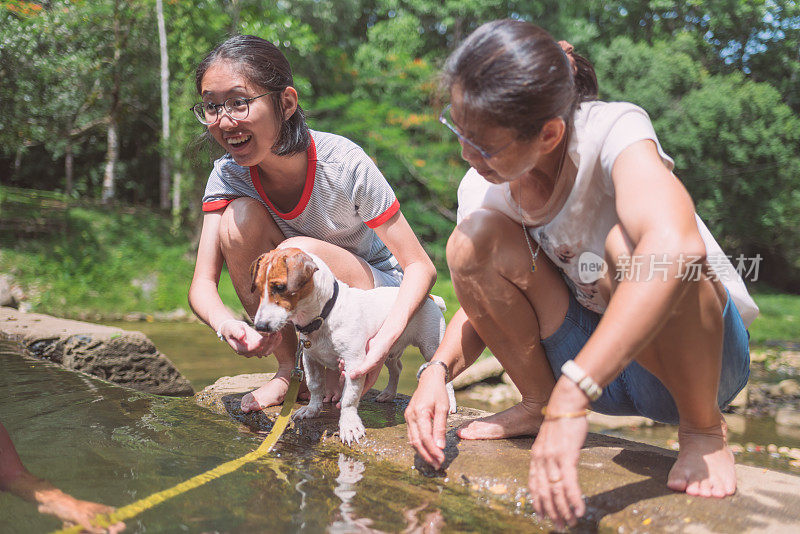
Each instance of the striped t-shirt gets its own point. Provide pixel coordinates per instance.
(344, 198)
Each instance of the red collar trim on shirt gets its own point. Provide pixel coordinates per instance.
(307, 188)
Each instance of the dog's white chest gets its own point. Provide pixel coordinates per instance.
(321, 349)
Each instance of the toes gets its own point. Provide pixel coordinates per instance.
(249, 403)
(718, 490)
(678, 481)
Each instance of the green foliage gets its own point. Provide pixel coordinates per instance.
(779, 318)
(718, 77)
(736, 145)
(77, 258)
(733, 140)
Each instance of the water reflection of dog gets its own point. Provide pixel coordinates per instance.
(351, 471)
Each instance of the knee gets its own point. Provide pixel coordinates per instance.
(243, 219)
(307, 244)
(472, 244)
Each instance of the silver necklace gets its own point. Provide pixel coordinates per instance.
(535, 254)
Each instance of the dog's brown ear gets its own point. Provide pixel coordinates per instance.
(300, 268)
(254, 267)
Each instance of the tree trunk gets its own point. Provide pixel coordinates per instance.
(112, 151)
(112, 155)
(69, 158)
(176, 200)
(165, 141)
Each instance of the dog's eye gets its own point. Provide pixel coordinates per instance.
(278, 288)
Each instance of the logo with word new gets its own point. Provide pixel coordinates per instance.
(591, 267)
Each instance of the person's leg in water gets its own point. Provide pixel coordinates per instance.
(686, 356)
(511, 308)
(246, 231)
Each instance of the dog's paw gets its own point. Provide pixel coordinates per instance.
(306, 412)
(385, 396)
(351, 428)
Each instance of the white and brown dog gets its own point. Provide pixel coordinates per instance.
(336, 321)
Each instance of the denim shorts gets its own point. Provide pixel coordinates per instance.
(636, 391)
(390, 278)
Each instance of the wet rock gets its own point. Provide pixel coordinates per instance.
(617, 421)
(740, 401)
(126, 358)
(11, 294)
(787, 417)
(478, 372)
(789, 388)
(624, 482)
(493, 395)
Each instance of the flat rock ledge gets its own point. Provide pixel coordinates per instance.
(123, 357)
(624, 481)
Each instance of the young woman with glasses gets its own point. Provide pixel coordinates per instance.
(282, 184)
(580, 262)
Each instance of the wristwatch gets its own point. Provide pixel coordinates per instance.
(428, 364)
(574, 372)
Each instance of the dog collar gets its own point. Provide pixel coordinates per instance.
(326, 310)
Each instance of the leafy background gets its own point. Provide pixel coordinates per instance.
(719, 79)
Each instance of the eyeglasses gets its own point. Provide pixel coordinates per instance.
(237, 108)
(447, 119)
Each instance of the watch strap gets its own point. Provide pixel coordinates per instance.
(575, 372)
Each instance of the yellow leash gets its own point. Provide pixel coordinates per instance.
(134, 509)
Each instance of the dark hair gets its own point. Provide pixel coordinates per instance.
(266, 66)
(514, 74)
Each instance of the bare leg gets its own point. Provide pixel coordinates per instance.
(511, 308)
(686, 356)
(247, 231)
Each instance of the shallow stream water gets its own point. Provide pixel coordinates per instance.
(104, 443)
(202, 358)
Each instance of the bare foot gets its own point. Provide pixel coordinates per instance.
(705, 465)
(333, 385)
(523, 419)
(271, 394)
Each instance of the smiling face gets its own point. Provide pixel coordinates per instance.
(249, 141)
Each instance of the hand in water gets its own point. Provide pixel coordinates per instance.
(76, 512)
(15, 479)
(553, 477)
(426, 416)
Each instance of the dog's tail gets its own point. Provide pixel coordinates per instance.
(439, 302)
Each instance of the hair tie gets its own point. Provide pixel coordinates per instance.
(568, 48)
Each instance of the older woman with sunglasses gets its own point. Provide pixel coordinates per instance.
(282, 184)
(580, 262)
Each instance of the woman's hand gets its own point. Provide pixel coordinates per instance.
(553, 478)
(426, 416)
(377, 351)
(248, 342)
(76, 512)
